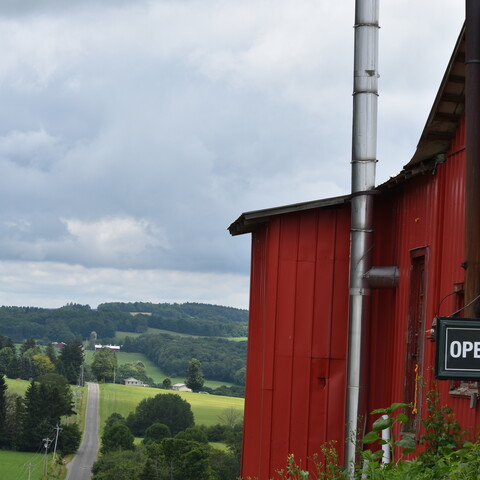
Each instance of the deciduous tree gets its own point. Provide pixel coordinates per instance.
(167, 408)
(104, 362)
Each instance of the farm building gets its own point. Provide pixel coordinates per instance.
(181, 387)
(134, 382)
(424, 263)
(113, 348)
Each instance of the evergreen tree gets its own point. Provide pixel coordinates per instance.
(14, 419)
(34, 427)
(194, 378)
(3, 411)
(45, 403)
(27, 345)
(7, 356)
(71, 360)
(50, 353)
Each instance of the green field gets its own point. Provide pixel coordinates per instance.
(120, 336)
(17, 386)
(123, 400)
(14, 465)
(152, 370)
(153, 331)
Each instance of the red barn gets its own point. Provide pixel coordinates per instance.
(299, 295)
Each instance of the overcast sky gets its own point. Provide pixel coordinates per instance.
(133, 132)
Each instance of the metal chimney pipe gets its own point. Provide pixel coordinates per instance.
(472, 145)
(364, 151)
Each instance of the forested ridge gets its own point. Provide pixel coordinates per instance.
(75, 321)
(221, 359)
(180, 310)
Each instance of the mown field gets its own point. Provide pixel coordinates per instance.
(152, 370)
(15, 465)
(123, 400)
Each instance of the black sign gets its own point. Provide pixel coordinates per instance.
(458, 349)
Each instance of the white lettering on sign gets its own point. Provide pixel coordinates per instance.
(455, 349)
(458, 349)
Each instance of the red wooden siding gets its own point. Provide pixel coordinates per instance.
(297, 340)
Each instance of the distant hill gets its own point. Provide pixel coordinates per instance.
(78, 321)
(180, 310)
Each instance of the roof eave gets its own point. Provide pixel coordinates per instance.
(249, 221)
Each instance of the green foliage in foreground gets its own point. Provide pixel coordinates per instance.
(169, 450)
(444, 456)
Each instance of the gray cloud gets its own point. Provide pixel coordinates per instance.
(133, 133)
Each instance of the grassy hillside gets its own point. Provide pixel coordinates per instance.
(123, 400)
(120, 336)
(152, 370)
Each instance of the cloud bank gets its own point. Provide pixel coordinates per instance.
(134, 132)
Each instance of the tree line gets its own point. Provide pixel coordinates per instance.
(26, 421)
(180, 310)
(32, 361)
(221, 359)
(75, 321)
(65, 324)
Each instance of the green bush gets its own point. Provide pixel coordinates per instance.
(444, 456)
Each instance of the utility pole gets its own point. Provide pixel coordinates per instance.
(47, 441)
(57, 428)
(29, 466)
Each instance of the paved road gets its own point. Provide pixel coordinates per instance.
(80, 467)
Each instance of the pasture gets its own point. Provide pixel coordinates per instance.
(16, 465)
(123, 400)
(17, 386)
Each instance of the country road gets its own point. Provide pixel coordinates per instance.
(80, 467)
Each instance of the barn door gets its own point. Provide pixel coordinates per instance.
(415, 340)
